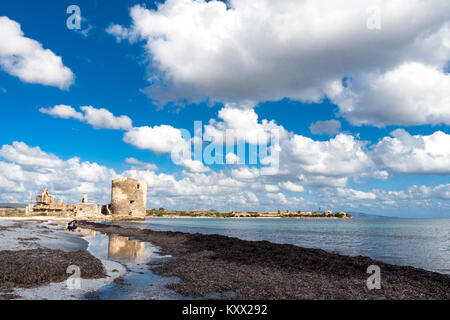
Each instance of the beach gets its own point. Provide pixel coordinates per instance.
(229, 268)
(35, 254)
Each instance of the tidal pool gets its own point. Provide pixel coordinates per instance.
(140, 283)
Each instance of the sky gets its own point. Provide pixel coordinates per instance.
(240, 105)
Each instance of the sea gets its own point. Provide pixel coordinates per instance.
(421, 243)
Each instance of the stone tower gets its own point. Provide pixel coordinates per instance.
(128, 199)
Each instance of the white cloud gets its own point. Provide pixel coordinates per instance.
(267, 188)
(351, 194)
(23, 155)
(412, 94)
(232, 158)
(119, 32)
(245, 173)
(404, 153)
(26, 170)
(104, 119)
(159, 139)
(137, 164)
(29, 170)
(97, 118)
(238, 125)
(269, 50)
(291, 187)
(302, 160)
(194, 166)
(26, 59)
(62, 111)
(376, 174)
(342, 156)
(329, 127)
(415, 193)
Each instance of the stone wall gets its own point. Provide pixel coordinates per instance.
(128, 199)
(87, 210)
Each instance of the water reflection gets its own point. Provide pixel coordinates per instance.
(118, 248)
(122, 249)
(87, 233)
(139, 282)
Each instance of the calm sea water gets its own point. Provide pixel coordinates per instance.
(422, 243)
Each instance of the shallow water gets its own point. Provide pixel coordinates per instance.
(421, 243)
(140, 282)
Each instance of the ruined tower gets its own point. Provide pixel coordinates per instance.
(128, 199)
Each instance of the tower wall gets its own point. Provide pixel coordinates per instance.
(128, 199)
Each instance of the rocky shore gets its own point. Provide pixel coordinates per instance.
(224, 267)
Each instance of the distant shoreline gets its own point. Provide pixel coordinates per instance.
(245, 218)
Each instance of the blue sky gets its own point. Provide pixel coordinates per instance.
(164, 68)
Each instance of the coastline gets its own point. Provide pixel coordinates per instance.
(209, 266)
(230, 268)
(246, 218)
(35, 255)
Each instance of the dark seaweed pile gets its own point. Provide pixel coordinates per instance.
(33, 268)
(264, 270)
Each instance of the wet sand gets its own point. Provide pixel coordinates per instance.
(223, 267)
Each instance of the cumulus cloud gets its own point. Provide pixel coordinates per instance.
(24, 170)
(239, 125)
(404, 153)
(29, 169)
(265, 50)
(104, 119)
(351, 194)
(232, 158)
(24, 155)
(137, 164)
(119, 32)
(194, 165)
(62, 111)
(26, 59)
(291, 187)
(415, 193)
(245, 173)
(411, 94)
(342, 156)
(329, 127)
(97, 118)
(159, 139)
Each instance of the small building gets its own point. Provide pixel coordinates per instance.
(45, 205)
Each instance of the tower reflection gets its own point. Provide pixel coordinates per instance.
(125, 250)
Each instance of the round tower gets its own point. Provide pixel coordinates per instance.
(128, 199)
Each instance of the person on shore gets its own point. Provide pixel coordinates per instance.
(73, 225)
